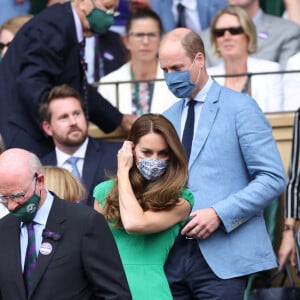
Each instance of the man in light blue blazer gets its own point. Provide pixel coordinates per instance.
(206, 10)
(235, 171)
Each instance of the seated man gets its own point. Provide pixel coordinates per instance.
(64, 120)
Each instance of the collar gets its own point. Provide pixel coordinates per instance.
(78, 25)
(80, 152)
(257, 17)
(201, 96)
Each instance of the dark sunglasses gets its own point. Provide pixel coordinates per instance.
(218, 32)
(2, 45)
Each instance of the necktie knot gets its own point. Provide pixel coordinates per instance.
(191, 104)
(30, 225)
(73, 162)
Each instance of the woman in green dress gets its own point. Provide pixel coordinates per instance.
(147, 203)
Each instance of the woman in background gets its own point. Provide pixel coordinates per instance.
(143, 34)
(233, 37)
(64, 184)
(8, 31)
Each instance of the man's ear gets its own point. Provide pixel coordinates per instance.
(200, 58)
(47, 128)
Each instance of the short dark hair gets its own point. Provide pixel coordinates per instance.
(60, 91)
(143, 13)
(192, 44)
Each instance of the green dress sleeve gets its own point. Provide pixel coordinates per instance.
(188, 196)
(102, 190)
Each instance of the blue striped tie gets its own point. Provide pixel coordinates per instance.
(73, 162)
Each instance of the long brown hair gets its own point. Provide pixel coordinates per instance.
(163, 193)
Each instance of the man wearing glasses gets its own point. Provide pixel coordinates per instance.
(51, 248)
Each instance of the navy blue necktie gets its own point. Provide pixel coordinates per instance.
(188, 131)
(84, 79)
(181, 15)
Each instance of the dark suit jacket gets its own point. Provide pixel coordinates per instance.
(83, 264)
(112, 51)
(100, 161)
(43, 54)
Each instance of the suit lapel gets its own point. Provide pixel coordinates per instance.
(49, 159)
(90, 165)
(54, 224)
(15, 257)
(207, 118)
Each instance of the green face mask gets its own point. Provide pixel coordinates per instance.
(27, 211)
(99, 20)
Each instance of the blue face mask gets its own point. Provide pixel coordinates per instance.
(179, 83)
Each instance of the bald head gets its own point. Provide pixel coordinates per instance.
(21, 172)
(175, 35)
(18, 162)
(182, 50)
(190, 42)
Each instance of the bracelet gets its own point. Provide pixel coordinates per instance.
(288, 227)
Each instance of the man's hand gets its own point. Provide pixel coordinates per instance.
(127, 121)
(202, 225)
(287, 250)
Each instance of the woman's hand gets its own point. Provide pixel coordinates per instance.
(125, 157)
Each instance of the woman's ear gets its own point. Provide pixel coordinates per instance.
(126, 42)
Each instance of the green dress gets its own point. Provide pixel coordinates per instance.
(144, 255)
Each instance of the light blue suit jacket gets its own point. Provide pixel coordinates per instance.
(236, 169)
(206, 11)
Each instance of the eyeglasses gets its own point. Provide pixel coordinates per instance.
(139, 36)
(2, 45)
(219, 32)
(18, 197)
